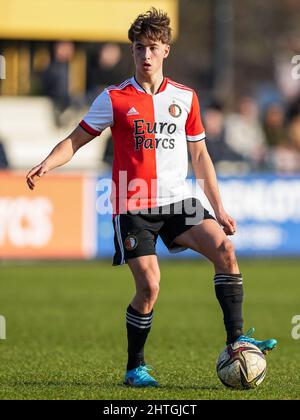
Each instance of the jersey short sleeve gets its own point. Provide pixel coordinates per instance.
(99, 116)
(194, 127)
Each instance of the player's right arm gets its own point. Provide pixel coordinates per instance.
(99, 117)
(61, 154)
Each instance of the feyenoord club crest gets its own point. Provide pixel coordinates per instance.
(175, 110)
(130, 242)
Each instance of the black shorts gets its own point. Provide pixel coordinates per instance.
(136, 233)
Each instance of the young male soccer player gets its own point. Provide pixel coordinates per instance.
(154, 121)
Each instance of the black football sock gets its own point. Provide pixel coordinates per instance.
(229, 291)
(138, 327)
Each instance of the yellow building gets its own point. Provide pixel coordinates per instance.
(27, 28)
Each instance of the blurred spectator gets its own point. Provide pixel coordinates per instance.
(244, 133)
(3, 158)
(217, 147)
(283, 138)
(293, 124)
(105, 68)
(273, 124)
(56, 78)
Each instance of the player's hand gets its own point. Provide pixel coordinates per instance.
(228, 223)
(35, 175)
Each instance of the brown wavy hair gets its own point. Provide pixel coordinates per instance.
(153, 25)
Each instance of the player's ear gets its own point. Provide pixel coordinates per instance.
(131, 48)
(167, 50)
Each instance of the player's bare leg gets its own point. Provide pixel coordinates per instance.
(146, 274)
(139, 316)
(209, 239)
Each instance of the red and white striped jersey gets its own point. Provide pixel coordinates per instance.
(150, 135)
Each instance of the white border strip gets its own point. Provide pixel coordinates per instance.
(119, 236)
(200, 136)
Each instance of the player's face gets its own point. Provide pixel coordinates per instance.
(149, 56)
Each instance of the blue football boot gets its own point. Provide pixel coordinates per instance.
(140, 377)
(264, 346)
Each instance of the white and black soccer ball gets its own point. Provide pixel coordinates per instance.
(241, 365)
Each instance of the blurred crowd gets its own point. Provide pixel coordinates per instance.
(261, 133)
(254, 138)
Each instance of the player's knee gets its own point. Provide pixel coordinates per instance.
(149, 291)
(228, 257)
(147, 280)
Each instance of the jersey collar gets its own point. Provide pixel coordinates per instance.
(140, 89)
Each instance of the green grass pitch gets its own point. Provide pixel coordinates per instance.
(66, 337)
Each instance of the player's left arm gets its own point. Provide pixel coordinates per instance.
(205, 171)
